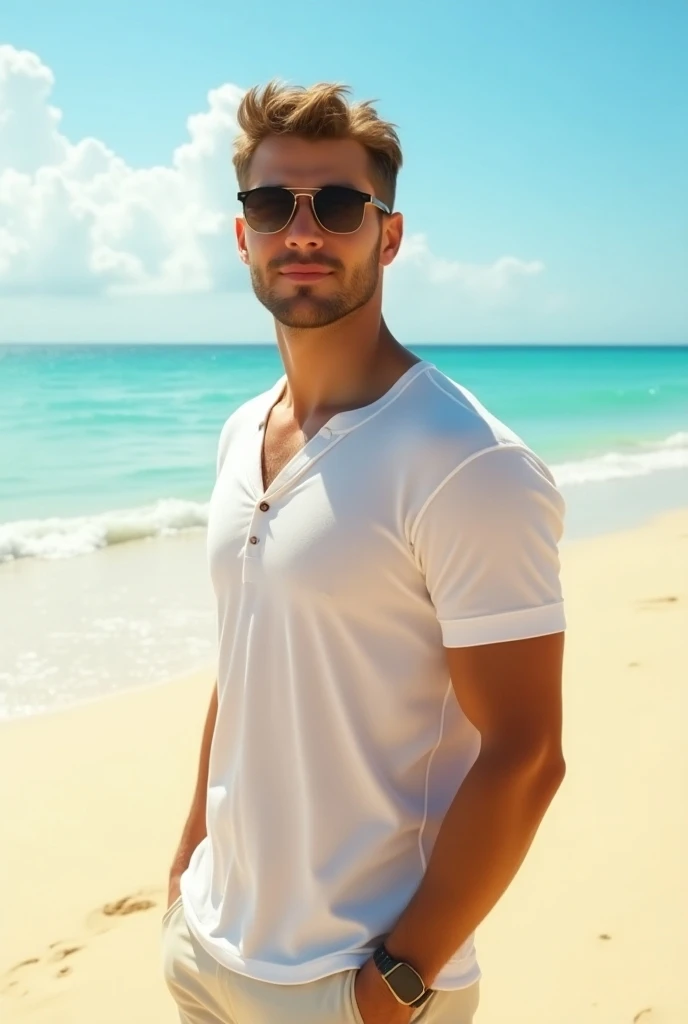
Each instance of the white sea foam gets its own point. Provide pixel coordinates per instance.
(671, 453)
(67, 537)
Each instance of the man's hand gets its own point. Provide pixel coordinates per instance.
(376, 1004)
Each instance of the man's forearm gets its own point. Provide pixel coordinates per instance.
(195, 827)
(194, 832)
(482, 842)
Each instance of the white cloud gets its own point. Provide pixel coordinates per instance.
(76, 220)
(480, 279)
(29, 136)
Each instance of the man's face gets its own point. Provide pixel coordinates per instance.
(352, 261)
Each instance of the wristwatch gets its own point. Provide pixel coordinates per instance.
(406, 984)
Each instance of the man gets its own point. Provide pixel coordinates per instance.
(385, 734)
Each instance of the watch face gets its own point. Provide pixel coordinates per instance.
(406, 983)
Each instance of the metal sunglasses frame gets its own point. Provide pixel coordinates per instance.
(311, 193)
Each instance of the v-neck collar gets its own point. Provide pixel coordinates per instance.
(328, 435)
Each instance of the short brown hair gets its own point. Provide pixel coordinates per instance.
(317, 112)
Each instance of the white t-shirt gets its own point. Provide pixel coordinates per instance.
(415, 522)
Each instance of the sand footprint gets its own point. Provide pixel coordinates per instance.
(19, 979)
(105, 917)
(21, 976)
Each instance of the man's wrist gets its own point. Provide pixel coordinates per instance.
(414, 959)
(406, 984)
(373, 982)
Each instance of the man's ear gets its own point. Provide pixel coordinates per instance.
(240, 228)
(392, 235)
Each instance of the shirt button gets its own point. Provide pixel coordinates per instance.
(326, 432)
(253, 540)
(263, 506)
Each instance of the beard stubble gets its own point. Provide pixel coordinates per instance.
(306, 309)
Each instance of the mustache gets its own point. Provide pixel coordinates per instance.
(321, 261)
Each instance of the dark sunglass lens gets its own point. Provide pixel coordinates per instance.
(339, 209)
(268, 209)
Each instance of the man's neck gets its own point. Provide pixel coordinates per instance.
(341, 367)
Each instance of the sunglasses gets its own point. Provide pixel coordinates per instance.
(338, 209)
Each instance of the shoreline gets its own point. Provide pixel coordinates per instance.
(186, 516)
(156, 629)
(207, 668)
(591, 930)
(139, 613)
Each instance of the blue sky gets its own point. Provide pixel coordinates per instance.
(544, 186)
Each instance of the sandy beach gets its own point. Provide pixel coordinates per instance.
(594, 929)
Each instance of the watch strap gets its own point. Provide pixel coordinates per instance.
(421, 999)
(383, 960)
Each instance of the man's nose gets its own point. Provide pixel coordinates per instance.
(304, 232)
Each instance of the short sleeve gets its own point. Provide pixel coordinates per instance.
(223, 444)
(487, 543)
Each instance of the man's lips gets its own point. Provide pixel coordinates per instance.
(305, 271)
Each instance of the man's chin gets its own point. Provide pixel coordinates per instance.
(303, 323)
(303, 315)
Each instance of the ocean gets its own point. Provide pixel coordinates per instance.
(103, 444)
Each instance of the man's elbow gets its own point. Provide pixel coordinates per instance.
(537, 766)
(553, 773)
(548, 770)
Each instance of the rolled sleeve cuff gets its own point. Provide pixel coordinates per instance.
(497, 629)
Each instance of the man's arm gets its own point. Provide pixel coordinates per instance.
(195, 828)
(486, 542)
(511, 692)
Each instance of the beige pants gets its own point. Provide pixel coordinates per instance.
(207, 993)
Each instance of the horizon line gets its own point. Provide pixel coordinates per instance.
(410, 344)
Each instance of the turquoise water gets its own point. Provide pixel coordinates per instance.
(100, 445)
(90, 430)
